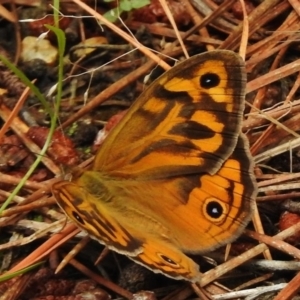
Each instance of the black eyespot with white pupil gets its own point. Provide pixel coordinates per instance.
(214, 209)
(209, 80)
(168, 260)
(77, 217)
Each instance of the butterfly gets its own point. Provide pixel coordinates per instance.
(175, 176)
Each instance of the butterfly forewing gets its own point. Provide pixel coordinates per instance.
(187, 119)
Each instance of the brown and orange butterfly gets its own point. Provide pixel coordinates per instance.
(175, 176)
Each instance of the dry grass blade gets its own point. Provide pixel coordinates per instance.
(73, 253)
(51, 244)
